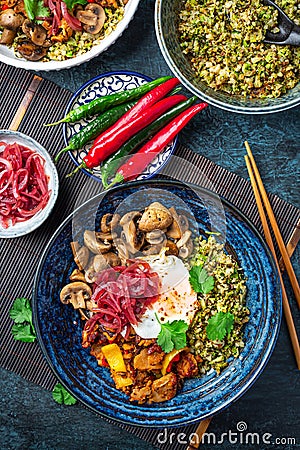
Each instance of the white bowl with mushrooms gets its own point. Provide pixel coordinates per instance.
(64, 37)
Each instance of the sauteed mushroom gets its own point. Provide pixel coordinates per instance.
(109, 222)
(35, 32)
(77, 293)
(93, 17)
(81, 255)
(132, 236)
(77, 275)
(31, 51)
(174, 231)
(155, 237)
(95, 245)
(10, 21)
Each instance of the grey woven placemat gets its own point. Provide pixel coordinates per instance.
(19, 257)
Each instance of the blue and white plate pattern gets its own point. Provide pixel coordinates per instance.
(59, 329)
(105, 84)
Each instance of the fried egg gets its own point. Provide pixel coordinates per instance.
(176, 299)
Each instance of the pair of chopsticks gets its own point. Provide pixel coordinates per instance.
(263, 204)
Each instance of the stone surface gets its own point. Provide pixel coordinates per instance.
(29, 417)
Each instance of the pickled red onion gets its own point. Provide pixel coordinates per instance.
(23, 184)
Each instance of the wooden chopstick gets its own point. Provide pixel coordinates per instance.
(277, 234)
(18, 117)
(201, 429)
(286, 306)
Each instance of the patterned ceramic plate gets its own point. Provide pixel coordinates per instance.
(105, 84)
(59, 329)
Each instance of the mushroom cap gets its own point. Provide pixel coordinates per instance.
(93, 17)
(31, 51)
(10, 20)
(76, 293)
(95, 245)
(132, 236)
(35, 32)
(109, 222)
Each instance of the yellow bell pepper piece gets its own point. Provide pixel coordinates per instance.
(121, 381)
(168, 358)
(114, 357)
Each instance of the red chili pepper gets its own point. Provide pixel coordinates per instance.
(143, 104)
(105, 147)
(4, 7)
(140, 160)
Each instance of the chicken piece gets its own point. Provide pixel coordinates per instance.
(187, 366)
(141, 394)
(148, 361)
(155, 217)
(164, 388)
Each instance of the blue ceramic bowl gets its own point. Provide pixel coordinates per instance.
(59, 329)
(106, 84)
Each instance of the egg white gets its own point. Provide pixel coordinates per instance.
(176, 299)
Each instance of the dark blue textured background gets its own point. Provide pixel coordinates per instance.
(30, 419)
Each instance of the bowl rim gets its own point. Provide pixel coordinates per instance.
(92, 53)
(80, 90)
(46, 211)
(258, 369)
(158, 18)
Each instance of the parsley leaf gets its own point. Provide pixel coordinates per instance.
(22, 333)
(219, 325)
(172, 334)
(21, 314)
(71, 3)
(36, 8)
(200, 280)
(62, 396)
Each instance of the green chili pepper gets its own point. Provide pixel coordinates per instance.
(112, 163)
(95, 127)
(101, 104)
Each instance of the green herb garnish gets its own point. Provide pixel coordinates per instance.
(200, 280)
(219, 325)
(21, 314)
(71, 3)
(62, 396)
(172, 334)
(36, 8)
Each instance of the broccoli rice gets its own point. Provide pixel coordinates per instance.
(223, 41)
(228, 295)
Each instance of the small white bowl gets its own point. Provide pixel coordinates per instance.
(22, 228)
(7, 55)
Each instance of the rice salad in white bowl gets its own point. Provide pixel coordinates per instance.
(56, 34)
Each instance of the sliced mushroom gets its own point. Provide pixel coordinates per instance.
(10, 21)
(172, 248)
(109, 222)
(152, 249)
(93, 17)
(132, 236)
(77, 293)
(174, 231)
(77, 275)
(107, 259)
(155, 237)
(183, 222)
(105, 236)
(130, 216)
(186, 250)
(122, 250)
(155, 216)
(31, 51)
(81, 255)
(185, 237)
(90, 273)
(95, 245)
(35, 32)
